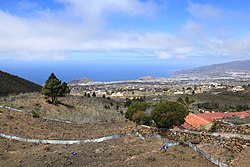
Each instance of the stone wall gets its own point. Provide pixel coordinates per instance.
(224, 127)
(235, 144)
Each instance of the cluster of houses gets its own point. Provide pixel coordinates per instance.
(205, 88)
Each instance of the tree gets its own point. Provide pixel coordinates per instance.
(52, 88)
(180, 100)
(141, 118)
(187, 100)
(88, 95)
(65, 89)
(169, 114)
(134, 108)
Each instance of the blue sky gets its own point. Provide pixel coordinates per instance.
(156, 32)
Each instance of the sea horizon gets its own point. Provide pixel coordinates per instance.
(96, 72)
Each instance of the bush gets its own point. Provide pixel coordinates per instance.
(134, 108)
(169, 114)
(141, 118)
(35, 114)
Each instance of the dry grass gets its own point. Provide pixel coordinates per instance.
(72, 108)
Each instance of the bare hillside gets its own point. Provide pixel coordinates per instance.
(10, 84)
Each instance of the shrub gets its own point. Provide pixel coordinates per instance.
(135, 107)
(141, 118)
(35, 114)
(169, 114)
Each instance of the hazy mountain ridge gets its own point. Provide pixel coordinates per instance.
(11, 84)
(81, 81)
(218, 69)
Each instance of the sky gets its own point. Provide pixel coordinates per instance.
(72, 37)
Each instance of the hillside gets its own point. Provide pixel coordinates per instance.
(10, 84)
(218, 69)
(90, 120)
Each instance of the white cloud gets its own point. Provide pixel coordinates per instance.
(192, 28)
(33, 56)
(48, 35)
(207, 11)
(231, 47)
(100, 8)
(163, 55)
(63, 31)
(81, 27)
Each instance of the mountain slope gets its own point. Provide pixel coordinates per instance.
(235, 66)
(80, 81)
(10, 84)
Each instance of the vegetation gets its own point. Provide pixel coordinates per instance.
(129, 101)
(238, 121)
(215, 106)
(35, 114)
(141, 118)
(224, 98)
(164, 115)
(180, 100)
(169, 114)
(70, 108)
(53, 88)
(65, 89)
(134, 108)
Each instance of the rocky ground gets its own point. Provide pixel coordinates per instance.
(242, 160)
(129, 151)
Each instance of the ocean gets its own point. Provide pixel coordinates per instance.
(39, 72)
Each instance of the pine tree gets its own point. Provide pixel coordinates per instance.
(52, 88)
(65, 89)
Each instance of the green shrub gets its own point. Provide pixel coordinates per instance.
(169, 114)
(141, 118)
(135, 107)
(35, 114)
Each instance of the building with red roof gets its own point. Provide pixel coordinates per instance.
(197, 121)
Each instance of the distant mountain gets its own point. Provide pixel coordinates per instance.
(10, 84)
(79, 81)
(218, 69)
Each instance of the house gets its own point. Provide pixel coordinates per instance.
(197, 121)
(178, 93)
(237, 89)
(117, 95)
